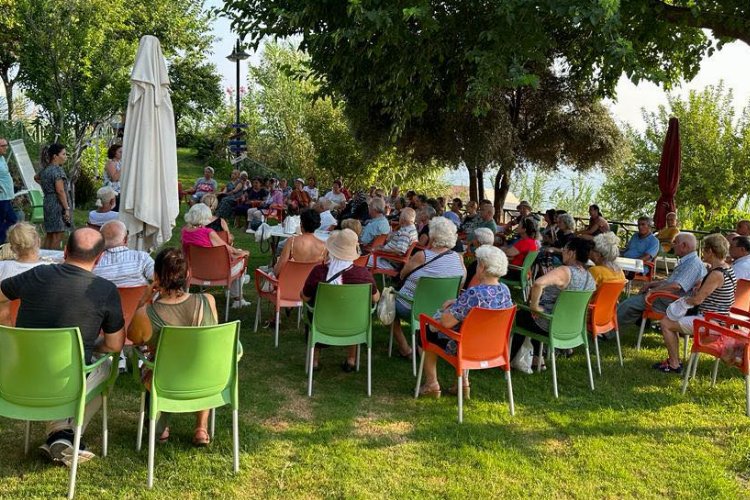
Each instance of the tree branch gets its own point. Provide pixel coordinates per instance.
(721, 25)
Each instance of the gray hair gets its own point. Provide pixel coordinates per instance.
(608, 246)
(210, 169)
(408, 214)
(114, 233)
(484, 236)
(324, 203)
(442, 233)
(567, 219)
(377, 204)
(428, 211)
(104, 196)
(199, 215)
(493, 259)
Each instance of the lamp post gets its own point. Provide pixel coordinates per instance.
(237, 55)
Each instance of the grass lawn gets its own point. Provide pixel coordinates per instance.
(634, 436)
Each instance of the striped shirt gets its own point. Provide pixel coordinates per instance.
(399, 241)
(446, 266)
(688, 272)
(721, 299)
(125, 267)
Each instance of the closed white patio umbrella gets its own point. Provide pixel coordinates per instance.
(148, 199)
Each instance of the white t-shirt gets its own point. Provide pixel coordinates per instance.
(10, 268)
(336, 199)
(742, 268)
(100, 218)
(327, 220)
(313, 192)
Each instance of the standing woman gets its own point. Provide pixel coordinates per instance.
(112, 171)
(54, 182)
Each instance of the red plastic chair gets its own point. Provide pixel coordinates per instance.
(362, 260)
(224, 235)
(129, 298)
(741, 307)
(212, 266)
(484, 342)
(376, 242)
(710, 336)
(396, 259)
(285, 290)
(603, 315)
(650, 314)
(650, 267)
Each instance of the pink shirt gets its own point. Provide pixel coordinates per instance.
(200, 237)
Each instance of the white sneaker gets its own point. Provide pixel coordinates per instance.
(238, 303)
(250, 231)
(246, 279)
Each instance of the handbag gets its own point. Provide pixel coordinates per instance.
(401, 282)
(387, 306)
(523, 358)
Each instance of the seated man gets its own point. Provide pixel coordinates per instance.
(454, 214)
(377, 225)
(524, 211)
(399, 241)
(688, 272)
(61, 295)
(739, 250)
(666, 235)
(643, 245)
(327, 220)
(743, 228)
(119, 264)
(487, 220)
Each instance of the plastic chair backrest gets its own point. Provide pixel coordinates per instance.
(485, 333)
(742, 295)
(604, 302)
(568, 318)
(41, 368)
(37, 206)
(362, 260)
(292, 278)
(195, 361)
(528, 261)
(378, 240)
(208, 263)
(224, 235)
(342, 310)
(14, 306)
(431, 293)
(129, 298)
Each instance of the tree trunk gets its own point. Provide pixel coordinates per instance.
(473, 193)
(501, 188)
(8, 84)
(480, 184)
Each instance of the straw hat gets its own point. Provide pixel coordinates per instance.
(343, 244)
(524, 203)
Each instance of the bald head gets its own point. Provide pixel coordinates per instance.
(84, 246)
(115, 234)
(684, 243)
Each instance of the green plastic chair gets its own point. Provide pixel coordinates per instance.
(36, 199)
(429, 296)
(195, 368)
(342, 316)
(567, 328)
(43, 377)
(524, 284)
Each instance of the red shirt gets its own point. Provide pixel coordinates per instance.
(524, 246)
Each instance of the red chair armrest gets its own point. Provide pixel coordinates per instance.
(727, 320)
(660, 295)
(425, 320)
(261, 276)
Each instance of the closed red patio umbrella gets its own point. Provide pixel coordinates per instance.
(669, 173)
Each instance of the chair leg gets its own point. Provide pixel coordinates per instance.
(747, 395)
(276, 330)
(257, 316)
(356, 361)
(307, 361)
(588, 365)
(619, 346)
(539, 358)
(27, 437)
(554, 376)
(212, 422)
(151, 446)
(299, 317)
(695, 365)
(510, 393)
(310, 373)
(460, 386)
(74, 465)
(105, 431)
(715, 372)
(141, 418)
(685, 347)
(236, 440)
(419, 375)
(596, 349)
(686, 379)
(413, 353)
(369, 371)
(390, 341)
(226, 309)
(640, 335)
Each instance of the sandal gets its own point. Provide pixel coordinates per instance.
(406, 356)
(430, 391)
(454, 390)
(347, 367)
(164, 436)
(201, 437)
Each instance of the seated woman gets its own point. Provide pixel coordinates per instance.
(230, 186)
(229, 200)
(196, 233)
(251, 198)
(485, 237)
(299, 199)
(305, 247)
(667, 234)
(353, 224)
(488, 294)
(472, 218)
(24, 242)
(273, 202)
(424, 216)
(565, 224)
(604, 255)
(549, 233)
(716, 294)
(527, 229)
(572, 275)
(217, 223)
(203, 185)
(438, 261)
(339, 269)
(106, 199)
(597, 224)
(174, 305)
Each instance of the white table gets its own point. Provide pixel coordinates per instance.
(53, 255)
(632, 265)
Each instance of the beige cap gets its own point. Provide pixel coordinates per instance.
(343, 244)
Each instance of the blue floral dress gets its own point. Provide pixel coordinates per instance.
(484, 296)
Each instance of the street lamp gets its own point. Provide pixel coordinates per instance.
(237, 55)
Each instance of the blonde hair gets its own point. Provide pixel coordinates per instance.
(718, 245)
(210, 200)
(23, 238)
(352, 224)
(104, 196)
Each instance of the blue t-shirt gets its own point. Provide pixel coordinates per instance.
(6, 181)
(453, 217)
(638, 246)
(373, 229)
